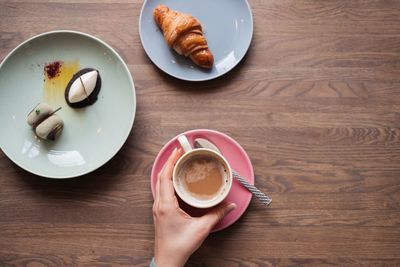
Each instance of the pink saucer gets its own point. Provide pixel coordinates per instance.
(237, 158)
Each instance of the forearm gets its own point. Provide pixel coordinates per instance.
(169, 260)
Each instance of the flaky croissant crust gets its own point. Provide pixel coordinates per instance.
(184, 34)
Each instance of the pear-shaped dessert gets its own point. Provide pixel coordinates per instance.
(46, 124)
(50, 128)
(83, 88)
(38, 114)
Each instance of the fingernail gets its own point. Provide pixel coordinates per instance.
(231, 207)
(173, 151)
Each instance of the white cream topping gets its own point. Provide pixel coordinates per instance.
(82, 87)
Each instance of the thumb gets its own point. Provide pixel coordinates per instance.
(217, 214)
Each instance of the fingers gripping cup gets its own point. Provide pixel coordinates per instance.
(202, 177)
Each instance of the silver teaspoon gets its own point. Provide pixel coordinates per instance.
(266, 200)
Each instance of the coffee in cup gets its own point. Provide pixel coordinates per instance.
(202, 177)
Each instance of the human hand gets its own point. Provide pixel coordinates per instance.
(177, 234)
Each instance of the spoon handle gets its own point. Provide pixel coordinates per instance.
(266, 200)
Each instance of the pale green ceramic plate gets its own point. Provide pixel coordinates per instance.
(91, 135)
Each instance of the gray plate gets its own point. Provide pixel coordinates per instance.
(228, 27)
(91, 135)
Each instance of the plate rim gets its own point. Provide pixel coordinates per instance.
(200, 79)
(171, 140)
(131, 82)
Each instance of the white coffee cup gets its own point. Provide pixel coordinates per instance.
(180, 184)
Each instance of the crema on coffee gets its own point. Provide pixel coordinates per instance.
(203, 177)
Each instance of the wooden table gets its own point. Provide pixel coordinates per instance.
(316, 104)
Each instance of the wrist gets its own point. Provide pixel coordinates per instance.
(171, 260)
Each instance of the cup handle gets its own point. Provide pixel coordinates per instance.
(185, 143)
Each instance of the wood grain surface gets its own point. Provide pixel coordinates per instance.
(315, 103)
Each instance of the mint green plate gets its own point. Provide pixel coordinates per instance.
(92, 135)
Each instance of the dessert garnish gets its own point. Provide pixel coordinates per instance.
(52, 69)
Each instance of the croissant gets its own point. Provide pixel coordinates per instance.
(184, 34)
